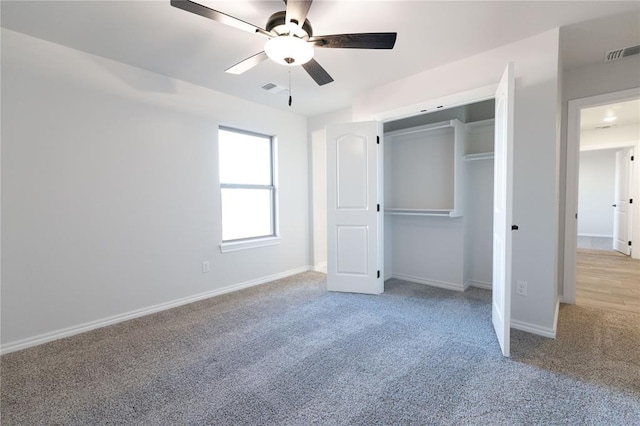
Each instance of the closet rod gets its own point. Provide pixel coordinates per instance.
(420, 129)
(417, 213)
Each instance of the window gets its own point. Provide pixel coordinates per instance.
(247, 187)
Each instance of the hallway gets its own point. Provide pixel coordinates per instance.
(608, 280)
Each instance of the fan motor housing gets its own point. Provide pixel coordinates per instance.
(276, 25)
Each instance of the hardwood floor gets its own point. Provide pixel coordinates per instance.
(608, 280)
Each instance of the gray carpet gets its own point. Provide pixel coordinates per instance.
(289, 353)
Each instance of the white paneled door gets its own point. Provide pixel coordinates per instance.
(354, 219)
(502, 209)
(621, 205)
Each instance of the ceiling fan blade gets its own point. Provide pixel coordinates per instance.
(217, 16)
(297, 11)
(356, 41)
(316, 72)
(247, 64)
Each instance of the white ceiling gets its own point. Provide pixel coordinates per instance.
(625, 113)
(155, 36)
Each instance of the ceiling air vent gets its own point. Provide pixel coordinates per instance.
(274, 88)
(605, 126)
(614, 55)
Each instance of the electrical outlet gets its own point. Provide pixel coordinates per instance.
(521, 287)
(206, 267)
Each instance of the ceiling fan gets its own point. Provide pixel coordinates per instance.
(290, 38)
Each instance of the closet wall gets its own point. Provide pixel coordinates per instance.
(443, 237)
(478, 218)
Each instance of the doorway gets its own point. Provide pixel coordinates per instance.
(604, 222)
(602, 180)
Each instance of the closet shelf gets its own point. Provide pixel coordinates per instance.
(479, 156)
(419, 212)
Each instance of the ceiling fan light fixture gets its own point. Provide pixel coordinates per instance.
(289, 50)
(291, 40)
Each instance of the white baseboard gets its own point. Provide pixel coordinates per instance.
(425, 281)
(92, 325)
(555, 318)
(478, 284)
(534, 329)
(321, 267)
(564, 299)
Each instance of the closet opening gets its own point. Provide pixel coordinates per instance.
(438, 197)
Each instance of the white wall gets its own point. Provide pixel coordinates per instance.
(426, 249)
(109, 190)
(616, 136)
(600, 78)
(479, 223)
(536, 157)
(478, 215)
(317, 136)
(596, 193)
(319, 199)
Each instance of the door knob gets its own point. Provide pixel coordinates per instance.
(514, 227)
(614, 205)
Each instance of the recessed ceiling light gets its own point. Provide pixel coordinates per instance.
(610, 119)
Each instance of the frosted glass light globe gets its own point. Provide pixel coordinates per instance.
(288, 50)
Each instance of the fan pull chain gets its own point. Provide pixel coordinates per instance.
(289, 86)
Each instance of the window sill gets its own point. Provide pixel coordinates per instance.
(249, 244)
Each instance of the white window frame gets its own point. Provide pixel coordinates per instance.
(263, 240)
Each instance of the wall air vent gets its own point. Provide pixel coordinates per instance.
(614, 55)
(275, 89)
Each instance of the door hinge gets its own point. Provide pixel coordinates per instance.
(378, 274)
(378, 140)
(630, 200)
(632, 158)
(629, 243)
(378, 207)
